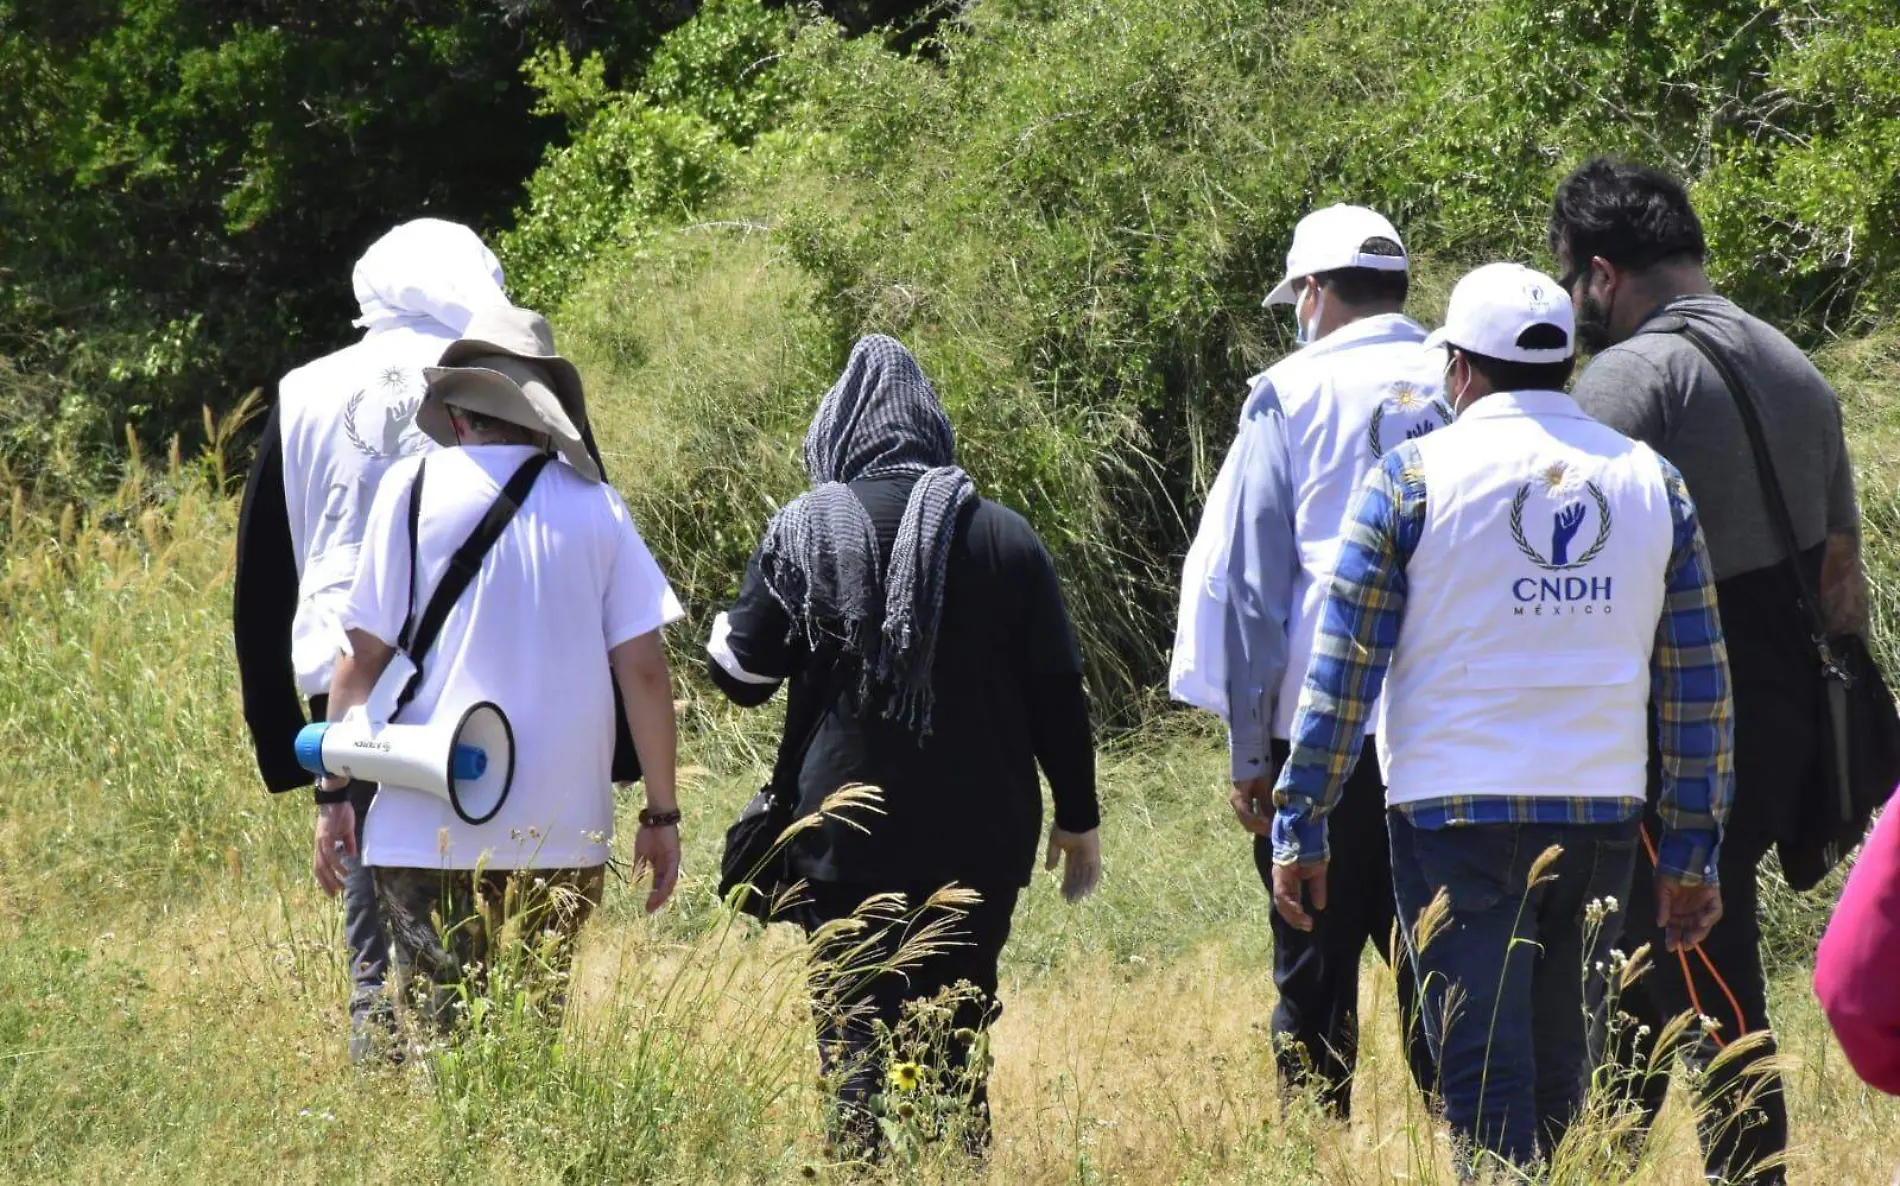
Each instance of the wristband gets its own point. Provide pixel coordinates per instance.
(650, 818)
(330, 798)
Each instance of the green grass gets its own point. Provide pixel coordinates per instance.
(171, 984)
(1068, 208)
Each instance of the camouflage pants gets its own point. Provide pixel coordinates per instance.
(449, 930)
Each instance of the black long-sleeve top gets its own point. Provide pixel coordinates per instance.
(963, 804)
(264, 603)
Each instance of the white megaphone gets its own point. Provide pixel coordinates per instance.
(469, 762)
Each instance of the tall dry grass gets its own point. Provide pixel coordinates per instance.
(172, 987)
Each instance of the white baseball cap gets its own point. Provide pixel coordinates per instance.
(1495, 309)
(1334, 238)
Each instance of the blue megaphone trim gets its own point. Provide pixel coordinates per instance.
(310, 747)
(456, 777)
(470, 762)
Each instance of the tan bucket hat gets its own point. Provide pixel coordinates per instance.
(504, 365)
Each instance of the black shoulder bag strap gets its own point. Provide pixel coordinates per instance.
(1771, 493)
(418, 634)
(1838, 677)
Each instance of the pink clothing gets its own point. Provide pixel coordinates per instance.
(1857, 974)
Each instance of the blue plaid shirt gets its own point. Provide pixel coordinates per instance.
(1359, 625)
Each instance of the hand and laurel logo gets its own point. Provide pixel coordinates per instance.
(1405, 398)
(396, 434)
(1566, 522)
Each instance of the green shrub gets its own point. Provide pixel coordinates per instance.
(1070, 209)
(644, 159)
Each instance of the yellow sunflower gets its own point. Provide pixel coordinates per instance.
(905, 1076)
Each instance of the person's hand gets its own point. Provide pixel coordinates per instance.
(1686, 913)
(1288, 883)
(1252, 801)
(1081, 854)
(336, 840)
(1564, 528)
(657, 849)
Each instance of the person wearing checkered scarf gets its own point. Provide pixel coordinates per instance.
(820, 556)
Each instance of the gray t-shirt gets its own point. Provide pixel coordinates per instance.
(1657, 388)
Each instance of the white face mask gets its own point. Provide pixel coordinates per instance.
(1455, 398)
(1309, 326)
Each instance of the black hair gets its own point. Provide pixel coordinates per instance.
(1504, 375)
(495, 426)
(1631, 215)
(1370, 286)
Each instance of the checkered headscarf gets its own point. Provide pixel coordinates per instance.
(820, 557)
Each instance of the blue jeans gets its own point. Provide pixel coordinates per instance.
(1504, 981)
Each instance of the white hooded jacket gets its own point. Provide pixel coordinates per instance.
(345, 418)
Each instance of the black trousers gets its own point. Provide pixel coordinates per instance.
(1316, 1023)
(859, 1000)
(1779, 774)
(1743, 1118)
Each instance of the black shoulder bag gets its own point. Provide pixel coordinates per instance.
(754, 857)
(1863, 761)
(418, 634)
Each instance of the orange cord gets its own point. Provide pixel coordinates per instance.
(1688, 980)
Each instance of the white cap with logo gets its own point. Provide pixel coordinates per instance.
(1497, 310)
(1334, 238)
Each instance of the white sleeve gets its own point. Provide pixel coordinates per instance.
(637, 599)
(379, 597)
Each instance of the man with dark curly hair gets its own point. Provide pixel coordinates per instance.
(1632, 252)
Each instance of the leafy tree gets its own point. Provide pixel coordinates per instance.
(188, 181)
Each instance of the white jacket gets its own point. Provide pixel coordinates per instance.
(1314, 426)
(347, 416)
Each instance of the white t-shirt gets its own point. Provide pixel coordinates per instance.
(568, 580)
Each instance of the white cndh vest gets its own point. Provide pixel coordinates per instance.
(344, 419)
(1522, 666)
(1345, 408)
(1347, 399)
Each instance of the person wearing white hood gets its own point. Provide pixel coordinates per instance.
(1314, 425)
(338, 425)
